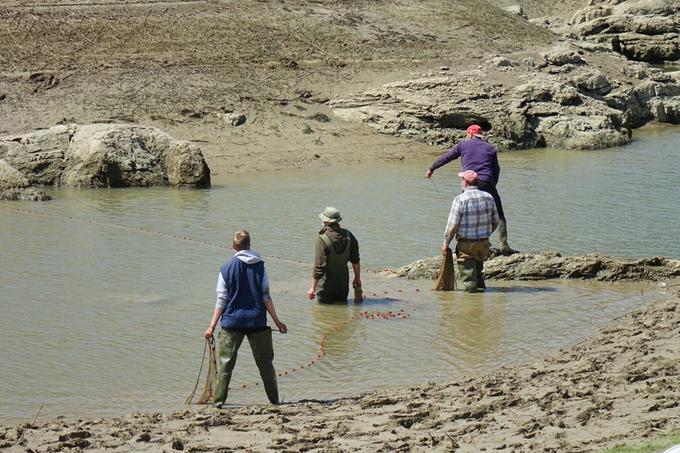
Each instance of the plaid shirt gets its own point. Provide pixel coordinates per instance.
(474, 213)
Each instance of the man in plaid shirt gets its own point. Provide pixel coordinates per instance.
(472, 219)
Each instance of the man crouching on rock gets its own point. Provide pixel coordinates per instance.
(243, 302)
(472, 219)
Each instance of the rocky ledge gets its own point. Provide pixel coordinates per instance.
(586, 91)
(643, 30)
(547, 265)
(97, 155)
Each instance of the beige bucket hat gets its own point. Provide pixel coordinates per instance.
(330, 215)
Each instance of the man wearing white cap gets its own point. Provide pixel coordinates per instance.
(335, 247)
(472, 219)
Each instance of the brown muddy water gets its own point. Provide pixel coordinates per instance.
(105, 293)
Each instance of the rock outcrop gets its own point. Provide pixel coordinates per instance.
(643, 30)
(549, 265)
(99, 155)
(14, 186)
(559, 101)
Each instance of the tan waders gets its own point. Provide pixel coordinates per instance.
(470, 256)
(334, 284)
(263, 352)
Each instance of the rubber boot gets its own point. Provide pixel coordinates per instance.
(468, 275)
(263, 353)
(228, 345)
(479, 270)
(503, 247)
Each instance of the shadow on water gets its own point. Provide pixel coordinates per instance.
(375, 302)
(520, 289)
(367, 302)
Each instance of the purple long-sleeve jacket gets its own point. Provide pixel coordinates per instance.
(475, 154)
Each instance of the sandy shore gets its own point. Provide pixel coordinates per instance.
(619, 387)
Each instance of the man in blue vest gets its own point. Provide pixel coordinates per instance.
(243, 302)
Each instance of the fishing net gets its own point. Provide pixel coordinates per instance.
(446, 281)
(210, 377)
(207, 393)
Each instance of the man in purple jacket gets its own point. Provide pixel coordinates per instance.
(478, 155)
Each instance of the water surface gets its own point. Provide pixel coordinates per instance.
(105, 296)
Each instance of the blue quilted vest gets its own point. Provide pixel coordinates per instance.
(245, 305)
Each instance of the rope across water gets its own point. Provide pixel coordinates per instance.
(335, 329)
(144, 231)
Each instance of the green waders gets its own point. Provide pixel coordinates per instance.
(468, 274)
(263, 352)
(470, 256)
(334, 284)
(503, 247)
(479, 270)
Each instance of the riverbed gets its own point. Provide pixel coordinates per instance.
(106, 293)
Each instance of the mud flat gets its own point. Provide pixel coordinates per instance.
(617, 387)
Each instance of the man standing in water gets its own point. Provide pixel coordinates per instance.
(479, 156)
(243, 302)
(335, 247)
(472, 219)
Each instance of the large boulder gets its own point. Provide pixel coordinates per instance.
(104, 155)
(114, 155)
(582, 132)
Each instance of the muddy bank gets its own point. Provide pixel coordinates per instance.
(617, 387)
(548, 265)
(189, 67)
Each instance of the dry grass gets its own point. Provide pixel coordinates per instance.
(222, 33)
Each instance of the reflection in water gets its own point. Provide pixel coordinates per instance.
(340, 346)
(115, 316)
(472, 323)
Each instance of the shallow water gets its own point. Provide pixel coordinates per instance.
(103, 309)
(670, 66)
